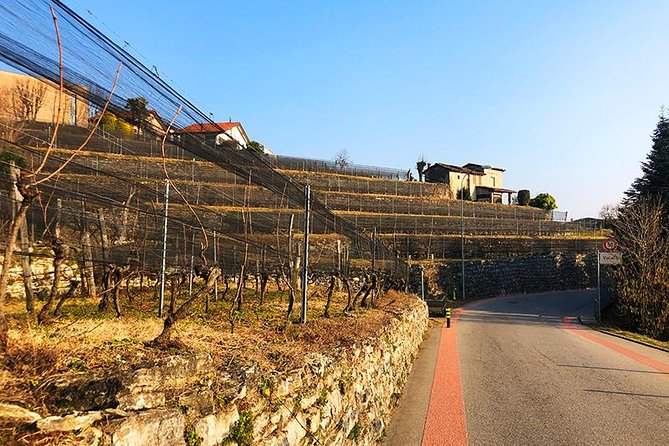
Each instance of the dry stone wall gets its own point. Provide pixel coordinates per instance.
(516, 275)
(343, 397)
(42, 268)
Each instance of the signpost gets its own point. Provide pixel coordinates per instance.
(609, 257)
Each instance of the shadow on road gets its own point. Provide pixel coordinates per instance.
(491, 317)
(538, 309)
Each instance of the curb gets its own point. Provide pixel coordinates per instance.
(616, 335)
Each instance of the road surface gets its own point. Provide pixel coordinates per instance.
(521, 370)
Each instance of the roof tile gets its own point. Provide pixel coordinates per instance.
(208, 127)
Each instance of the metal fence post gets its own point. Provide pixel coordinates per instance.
(374, 249)
(192, 260)
(305, 252)
(164, 254)
(215, 264)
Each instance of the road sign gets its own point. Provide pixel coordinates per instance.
(610, 258)
(605, 258)
(610, 245)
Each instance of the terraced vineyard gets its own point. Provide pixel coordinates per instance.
(125, 178)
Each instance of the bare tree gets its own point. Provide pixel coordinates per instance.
(28, 185)
(28, 195)
(609, 213)
(27, 99)
(11, 128)
(342, 159)
(6, 109)
(642, 281)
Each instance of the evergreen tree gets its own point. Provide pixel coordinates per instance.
(138, 108)
(654, 182)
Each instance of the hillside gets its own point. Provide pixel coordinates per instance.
(411, 218)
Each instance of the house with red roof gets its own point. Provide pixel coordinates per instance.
(219, 133)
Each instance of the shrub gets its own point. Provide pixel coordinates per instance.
(464, 194)
(355, 432)
(7, 156)
(543, 201)
(523, 197)
(109, 122)
(124, 128)
(192, 438)
(242, 431)
(255, 146)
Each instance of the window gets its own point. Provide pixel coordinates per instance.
(73, 109)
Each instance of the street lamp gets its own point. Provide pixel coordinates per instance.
(462, 230)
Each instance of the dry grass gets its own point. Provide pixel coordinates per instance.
(573, 236)
(636, 336)
(404, 214)
(298, 173)
(85, 340)
(151, 181)
(118, 156)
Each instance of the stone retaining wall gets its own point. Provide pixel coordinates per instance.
(344, 397)
(42, 268)
(515, 275)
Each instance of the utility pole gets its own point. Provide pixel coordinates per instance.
(192, 260)
(305, 253)
(339, 256)
(462, 231)
(88, 272)
(422, 282)
(374, 249)
(164, 255)
(215, 264)
(406, 285)
(598, 303)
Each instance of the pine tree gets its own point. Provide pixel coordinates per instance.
(654, 182)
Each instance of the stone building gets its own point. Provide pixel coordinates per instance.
(484, 183)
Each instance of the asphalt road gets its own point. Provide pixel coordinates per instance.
(531, 375)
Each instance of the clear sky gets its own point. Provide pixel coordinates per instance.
(564, 95)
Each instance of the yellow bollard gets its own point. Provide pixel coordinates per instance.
(447, 313)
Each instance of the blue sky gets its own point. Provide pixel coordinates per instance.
(564, 95)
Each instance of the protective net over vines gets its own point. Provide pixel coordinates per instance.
(227, 204)
(102, 188)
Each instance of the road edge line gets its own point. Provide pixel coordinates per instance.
(616, 335)
(567, 323)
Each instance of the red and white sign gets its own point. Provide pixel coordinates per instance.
(610, 245)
